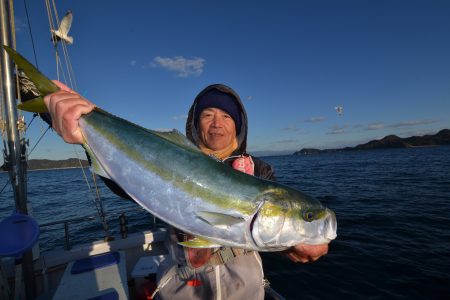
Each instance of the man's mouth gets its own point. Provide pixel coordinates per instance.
(214, 134)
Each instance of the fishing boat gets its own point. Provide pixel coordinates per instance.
(109, 268)
(122, 267)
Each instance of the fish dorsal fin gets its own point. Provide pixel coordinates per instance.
(177, 138)
(198, 242)
(219, 220)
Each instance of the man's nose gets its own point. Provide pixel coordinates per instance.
(216, 121)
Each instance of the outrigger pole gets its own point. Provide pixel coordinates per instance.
(15, 158)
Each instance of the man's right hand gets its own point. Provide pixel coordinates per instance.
(66, 107)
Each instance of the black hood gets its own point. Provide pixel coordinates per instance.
(191, 131)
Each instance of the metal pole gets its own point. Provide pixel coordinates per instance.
(66, 236)
(15, 159)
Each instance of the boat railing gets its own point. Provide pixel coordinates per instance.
(123, 221)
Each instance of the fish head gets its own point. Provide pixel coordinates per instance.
(287, 217)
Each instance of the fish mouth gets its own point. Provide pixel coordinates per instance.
(324, 228)
(330, 225)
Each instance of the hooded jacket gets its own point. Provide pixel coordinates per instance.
(262, 169)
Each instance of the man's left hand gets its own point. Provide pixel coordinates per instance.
(303, 253)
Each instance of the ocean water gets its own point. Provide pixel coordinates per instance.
(392, 207)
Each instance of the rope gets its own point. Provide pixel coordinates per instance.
(100, 203)
(97, 199)
(72, 83)
(70, 74)
(6, 184)
(86, 180)
(31, 34)
(40, 138)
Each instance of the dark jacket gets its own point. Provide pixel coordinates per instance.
(262, 169)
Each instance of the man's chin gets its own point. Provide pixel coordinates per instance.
(216, 146)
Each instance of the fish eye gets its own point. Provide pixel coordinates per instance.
(308, 216)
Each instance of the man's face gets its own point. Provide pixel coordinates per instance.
(217, 128)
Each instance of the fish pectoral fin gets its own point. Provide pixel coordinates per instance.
(219, 219)
(96, 167)
(198, 242)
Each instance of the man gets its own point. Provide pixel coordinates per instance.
(217, 124)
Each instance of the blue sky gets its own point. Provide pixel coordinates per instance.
(387, 63)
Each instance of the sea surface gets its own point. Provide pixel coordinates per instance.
(392, 207)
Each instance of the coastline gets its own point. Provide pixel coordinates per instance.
(441, 138)
(62, 168)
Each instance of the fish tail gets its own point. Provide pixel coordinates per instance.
(44, 85)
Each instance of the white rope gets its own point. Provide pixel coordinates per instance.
(71, 82)
(60, 72)
(218, 283)
(70, 73)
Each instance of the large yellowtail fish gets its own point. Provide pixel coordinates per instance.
(169, 177)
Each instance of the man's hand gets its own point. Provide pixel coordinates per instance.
(66, 107)
(303, 253)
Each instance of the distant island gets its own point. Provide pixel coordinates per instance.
(391, 141)
(40, 164)
(45, 164)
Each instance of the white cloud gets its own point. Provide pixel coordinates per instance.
(285, 142)
(338, 129)
(180, 117)
(291, 128)
(375, 126)
(417, 132)
(161, 129)
(183, 67)
(20, 24)
(133, 63)
(315, 119)
(412, 123)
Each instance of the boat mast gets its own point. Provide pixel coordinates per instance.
(15, 158)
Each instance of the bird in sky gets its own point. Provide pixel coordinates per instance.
(339, 110)
(63, 30)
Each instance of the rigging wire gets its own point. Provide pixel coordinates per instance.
(70, 73)
(69, 68)
(40, 138)
(6, 184)
(72, 83)
(31, 34)
(8, 181)
(97, 201)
